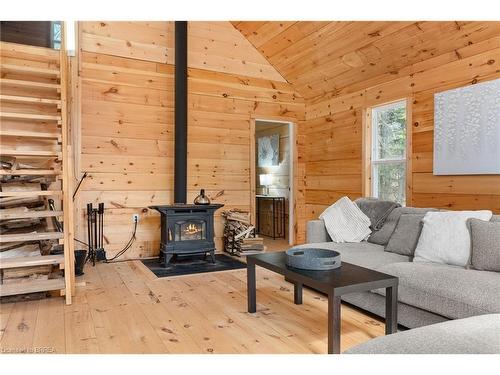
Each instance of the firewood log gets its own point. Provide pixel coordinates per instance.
(19, 249)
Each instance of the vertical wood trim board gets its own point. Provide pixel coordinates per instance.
(366, 169)
(253, 158)
(409, 151)
(282, 180)
(67, 183)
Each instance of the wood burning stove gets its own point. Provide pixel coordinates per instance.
(186, 229)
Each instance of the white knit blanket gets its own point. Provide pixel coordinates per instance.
(345, 222)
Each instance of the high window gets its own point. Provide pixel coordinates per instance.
(56, 35)
(388, 152)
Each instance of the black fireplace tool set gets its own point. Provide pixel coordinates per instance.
(95, 225)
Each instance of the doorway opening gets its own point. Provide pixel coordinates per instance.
(273, 175)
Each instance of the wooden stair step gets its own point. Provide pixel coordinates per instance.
(26, 52)
(31, 236)
(29, 214)
(30, 153)
(31, 287)
(30, 172)
(43, 72)
(28, 99)
(30, 116)
(32, 84)
(21, 194)
(29, 134)
(39, 260)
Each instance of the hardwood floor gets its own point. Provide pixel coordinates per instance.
(124, 308)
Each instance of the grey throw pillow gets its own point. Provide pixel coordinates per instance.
(376, 209)
(382, 236)
(404, 239)
(485, 239)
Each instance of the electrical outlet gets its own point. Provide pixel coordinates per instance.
(135, 218)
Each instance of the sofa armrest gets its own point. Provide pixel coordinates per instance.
(316, 232)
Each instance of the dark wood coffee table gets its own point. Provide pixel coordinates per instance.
(349, 278)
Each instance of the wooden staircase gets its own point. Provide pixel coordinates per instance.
(34, 131)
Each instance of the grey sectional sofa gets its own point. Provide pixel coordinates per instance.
(428, 293)
(474, 335)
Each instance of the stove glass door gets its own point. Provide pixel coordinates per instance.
(190, 230)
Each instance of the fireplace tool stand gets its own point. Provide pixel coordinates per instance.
(95, 225)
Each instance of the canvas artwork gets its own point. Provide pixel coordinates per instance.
(467, 130)
(268, 150)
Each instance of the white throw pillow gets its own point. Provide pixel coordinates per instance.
(345, 222)
(445, 237)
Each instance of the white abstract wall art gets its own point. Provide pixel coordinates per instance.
(268, 150)
(467, 130)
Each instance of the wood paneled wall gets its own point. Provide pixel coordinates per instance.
(127, 120)
(215, 46)
(333, 131)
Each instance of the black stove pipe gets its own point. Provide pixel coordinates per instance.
(181, 91)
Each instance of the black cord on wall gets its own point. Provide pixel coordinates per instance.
(127, 246)
(79, 184)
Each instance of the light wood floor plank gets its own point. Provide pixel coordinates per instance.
(202, 294)
(124, 308)
(50, 326)
(5, 310)
(18, 335)
(288, 319)
(128, 322)
(277, 295)
(267, 339)
(200, 328)
(170, 331)
(79, 327)
(110, 325)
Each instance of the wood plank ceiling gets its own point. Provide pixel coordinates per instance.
(325, 59)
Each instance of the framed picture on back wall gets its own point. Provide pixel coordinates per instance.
(467, 130)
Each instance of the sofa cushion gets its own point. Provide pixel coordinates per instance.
(316, 232)
(382, 236)
(485, 238)
(445, 237)
(362, 254)
(475, 335)
(404, 239)
(450, 291)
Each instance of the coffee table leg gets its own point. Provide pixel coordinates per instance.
(251, 292)
(297, 293)
(391, 310)
(333, 324)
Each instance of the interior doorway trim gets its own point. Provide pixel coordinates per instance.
(292, 200)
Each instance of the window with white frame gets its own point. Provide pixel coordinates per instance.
(388, 154)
